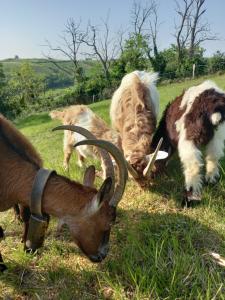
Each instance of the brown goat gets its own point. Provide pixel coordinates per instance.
(133, 112)
(83, 116)
(87, 212)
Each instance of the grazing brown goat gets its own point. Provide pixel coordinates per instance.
(83, 116)
(87, 212)
(133, 112)
(194, 119)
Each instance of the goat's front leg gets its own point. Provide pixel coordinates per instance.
(25, 216)
(214, 151)
(16, 209)
(68, 150)
(80, 159)
(191, 160)
(2, 265)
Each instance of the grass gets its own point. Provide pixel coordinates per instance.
(158, 250)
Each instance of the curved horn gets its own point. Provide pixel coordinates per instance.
(132, 171)
(104, 154)
(118, 156)
(150, 165)
(89, 176)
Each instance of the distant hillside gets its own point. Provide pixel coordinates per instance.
(54, 77)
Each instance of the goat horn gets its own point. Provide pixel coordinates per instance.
(132, 171)
(120, 160)
(104, 154)
(150, 165)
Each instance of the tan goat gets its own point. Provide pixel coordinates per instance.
(134, 110)
(83, 116)
(87, 212)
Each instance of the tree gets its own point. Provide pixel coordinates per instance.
(191, 31)
(134, 54)
(199, 30)
(145, 24)
(183, 28)
(3, 100)
(217, 62)
(24, 89)
(140, 16)
(69, 47)
(103, 46)
(2, 76)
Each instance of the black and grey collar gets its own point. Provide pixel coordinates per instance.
(38, 222)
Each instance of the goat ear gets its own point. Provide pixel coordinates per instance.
(89, 176)
(160, 155)
(104, 191)
(101, 196)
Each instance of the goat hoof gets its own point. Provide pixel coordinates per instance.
(2, 267)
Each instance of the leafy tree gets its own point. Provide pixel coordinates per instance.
(174, 70)
(4, 106)
(217, 62)
(24, 88)
(169, 55)
(2, 77)
(134, 54)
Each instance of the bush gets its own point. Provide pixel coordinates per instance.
(217, 62)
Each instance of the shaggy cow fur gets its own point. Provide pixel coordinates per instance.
(195, 119)
(133, 112)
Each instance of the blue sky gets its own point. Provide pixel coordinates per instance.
(26, 24)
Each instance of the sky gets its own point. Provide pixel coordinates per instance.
(25, 25)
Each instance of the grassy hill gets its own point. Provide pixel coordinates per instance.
(54, 77)
(158, 250)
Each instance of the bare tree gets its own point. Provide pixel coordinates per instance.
(191, 30)
(200, 30)
(103, 46)
(154, 25)
(120, 40)
(69, 48)
(140, 16)
(145, 22)
(183, 29)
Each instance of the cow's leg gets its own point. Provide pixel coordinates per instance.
(214, 151)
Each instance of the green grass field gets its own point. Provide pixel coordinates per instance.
(158, 250)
